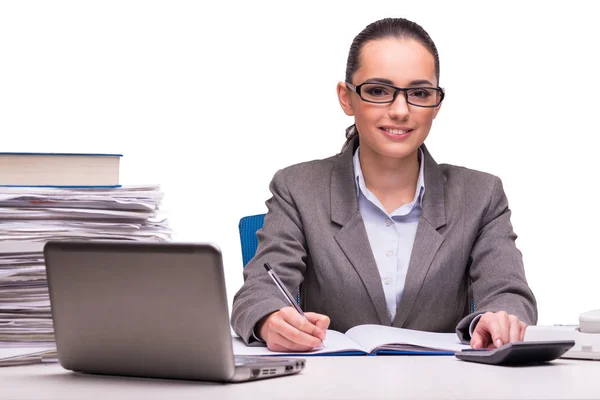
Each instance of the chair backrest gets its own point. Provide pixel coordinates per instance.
(248, 226)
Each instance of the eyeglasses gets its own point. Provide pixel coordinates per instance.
(381, 93)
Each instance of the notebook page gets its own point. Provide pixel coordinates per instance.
(372, 337)
(335, 342)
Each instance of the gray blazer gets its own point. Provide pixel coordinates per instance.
(314, 236)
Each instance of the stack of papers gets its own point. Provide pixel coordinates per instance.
(31, 216)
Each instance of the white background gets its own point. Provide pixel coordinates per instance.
(210, 99)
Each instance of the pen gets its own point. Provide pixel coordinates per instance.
(283, 289)
(285, 292)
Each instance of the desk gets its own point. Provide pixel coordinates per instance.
(398, 377)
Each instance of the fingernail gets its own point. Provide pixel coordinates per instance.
(498, 343)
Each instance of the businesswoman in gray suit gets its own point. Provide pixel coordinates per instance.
(380, 233)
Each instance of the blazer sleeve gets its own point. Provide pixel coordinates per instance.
(281, 243)
(496, 267)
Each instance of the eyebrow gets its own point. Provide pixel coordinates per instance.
(389, 82)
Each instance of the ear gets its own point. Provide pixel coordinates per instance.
(437, 109)
(344, 98)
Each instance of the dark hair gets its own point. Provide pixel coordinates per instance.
(400, 28)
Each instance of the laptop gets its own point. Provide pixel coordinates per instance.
(155, 310)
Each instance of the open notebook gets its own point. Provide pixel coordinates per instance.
(372, 340)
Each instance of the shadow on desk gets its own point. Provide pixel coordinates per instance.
(554, 363)
(75, 378)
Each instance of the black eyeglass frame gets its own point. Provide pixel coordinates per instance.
(356, 88)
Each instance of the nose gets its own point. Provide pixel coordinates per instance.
(398, 109)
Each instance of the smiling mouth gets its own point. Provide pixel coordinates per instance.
(396, 132)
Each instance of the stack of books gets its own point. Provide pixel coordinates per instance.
(55, 197)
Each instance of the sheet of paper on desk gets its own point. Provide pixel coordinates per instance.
(24, 355)
(23, 305)
(87, 202)
(17, 248)
(16, 263)
(138, 192)
(16, 271)
(16, 213)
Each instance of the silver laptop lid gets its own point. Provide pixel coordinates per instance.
(140, 309)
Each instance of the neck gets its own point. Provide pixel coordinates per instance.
(386, 176)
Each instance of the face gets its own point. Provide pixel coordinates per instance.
(393, 130)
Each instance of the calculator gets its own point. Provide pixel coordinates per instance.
(518, 353)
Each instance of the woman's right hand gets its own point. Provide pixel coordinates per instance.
(286, 330)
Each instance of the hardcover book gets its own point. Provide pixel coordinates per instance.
(59, 169)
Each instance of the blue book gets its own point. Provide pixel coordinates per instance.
(369, 340)
(60, 170)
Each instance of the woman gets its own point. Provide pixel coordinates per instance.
(380, 233)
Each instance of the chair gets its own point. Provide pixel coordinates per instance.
(248, 226)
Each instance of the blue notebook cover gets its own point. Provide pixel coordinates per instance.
(362, 353)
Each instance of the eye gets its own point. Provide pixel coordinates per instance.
(377, 91)
(420, 93)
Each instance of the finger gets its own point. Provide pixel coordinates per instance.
(297, 336)
(280, 343)
(302, 323)
(504, 322)
(523, 328)
(481, 333)
(274, 326)
(320, 321)
(484, 337)
(493, 328)
(514, 329)
(295, 330)
(476, 340)
(308, 327)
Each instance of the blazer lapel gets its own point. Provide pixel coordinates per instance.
(352, 236)
(427, 239)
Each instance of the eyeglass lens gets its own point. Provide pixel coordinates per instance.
(379, 93)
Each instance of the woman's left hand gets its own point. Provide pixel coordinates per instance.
(497, 329)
